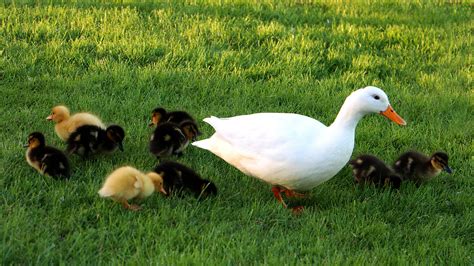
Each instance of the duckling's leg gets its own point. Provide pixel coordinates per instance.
(277, 193)
(131, 207)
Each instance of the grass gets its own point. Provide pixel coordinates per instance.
(123, 58)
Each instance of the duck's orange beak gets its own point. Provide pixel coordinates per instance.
(49, 117)
(392, 115)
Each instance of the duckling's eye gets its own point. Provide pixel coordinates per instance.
(376, 97)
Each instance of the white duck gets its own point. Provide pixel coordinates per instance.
(293, 152)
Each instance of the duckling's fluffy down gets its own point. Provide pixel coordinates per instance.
(127, 183)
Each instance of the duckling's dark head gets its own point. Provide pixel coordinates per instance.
(35, 139)
(439, 160)
(190, 129)
(157, 116)
(116, 134)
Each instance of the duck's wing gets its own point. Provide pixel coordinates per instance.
(269, 135)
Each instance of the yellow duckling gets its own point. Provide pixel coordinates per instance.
(66, 124)
(126, 183)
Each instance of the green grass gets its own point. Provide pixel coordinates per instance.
(224, 58)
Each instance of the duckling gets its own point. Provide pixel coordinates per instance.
(126, 183)
(419, 168)
(160, 115)
(66, 124)
(167, 140)
(370, 169)
(91, 139)
(46, 159)
(178, 177)
(171, 139)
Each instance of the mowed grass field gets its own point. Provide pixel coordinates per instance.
(224, 58)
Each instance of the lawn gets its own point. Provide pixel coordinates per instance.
(122, 59)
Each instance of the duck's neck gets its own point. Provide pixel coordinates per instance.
(348, 117)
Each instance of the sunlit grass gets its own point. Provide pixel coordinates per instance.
(224, 58)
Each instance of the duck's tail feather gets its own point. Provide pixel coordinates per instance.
(203, 144)
(206, 143)
(211, 120)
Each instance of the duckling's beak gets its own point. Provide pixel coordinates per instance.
(26, 145)
(120, 146)
(151, 124)
(50, 117)
(163, 191)
(392, 115)
(447, 169)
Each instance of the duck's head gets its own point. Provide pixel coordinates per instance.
(116, 134)
(439, 160)
(374, 100)
(35, 139)
(59, 113)
(157, 182)
(190, 129)
(157, 116)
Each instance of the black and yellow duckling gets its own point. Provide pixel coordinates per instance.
(166, 140)
(180, 178)
(160, 115)
(171, 139)
(89, 139)
(419, 168)
(46, 159)
(368, 169)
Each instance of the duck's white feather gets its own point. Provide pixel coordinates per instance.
(263, 145)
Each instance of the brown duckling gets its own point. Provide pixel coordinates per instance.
(370, 169)
(126, 183)
(171, 139)
(160, 115)
(66, 124)
(178, 177)
(419, 168)
(91, 139)
(46, 159)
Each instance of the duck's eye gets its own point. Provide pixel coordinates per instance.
(376, 97)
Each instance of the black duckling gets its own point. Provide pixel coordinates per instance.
(171, 139)
(177, 177)
(160, 115)
(419, 168)
(370, 169)
(89, 139)
(46, 159)
(167, 140)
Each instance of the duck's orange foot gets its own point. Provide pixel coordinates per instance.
(277, 193)
(294, 194)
